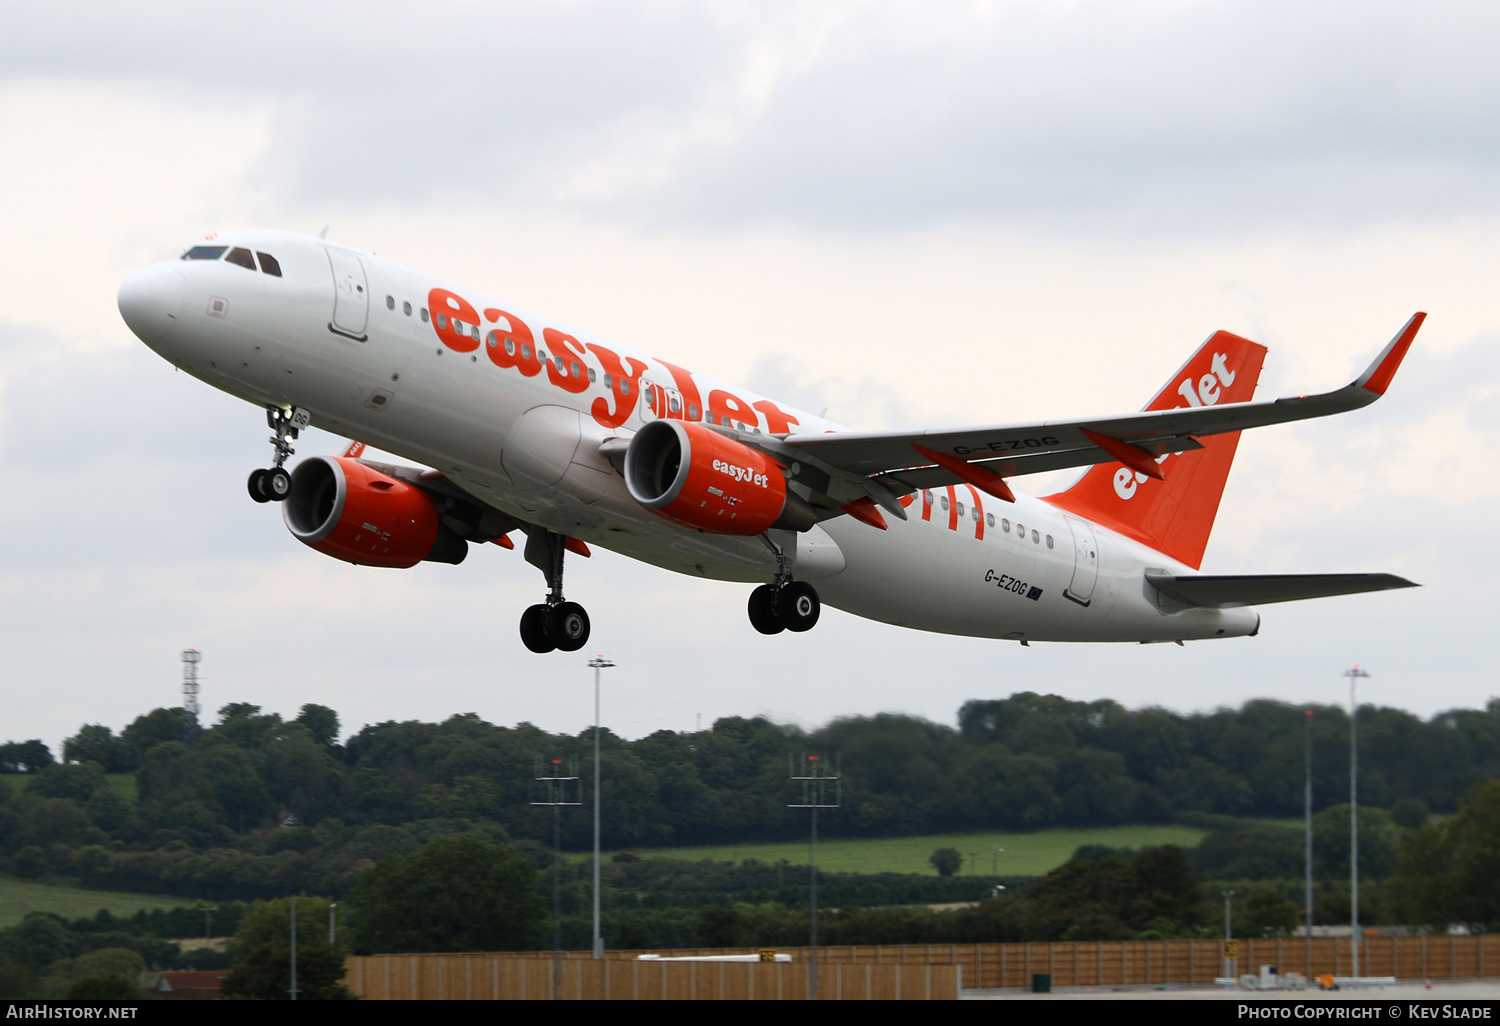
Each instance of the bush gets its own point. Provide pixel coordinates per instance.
(456, 894)
(946, 861)
(30, 862)
(101, 964)
(16, 980)
(103, 988)
(1261, 853)
(266, 974)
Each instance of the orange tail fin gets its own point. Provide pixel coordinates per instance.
(1175, 515)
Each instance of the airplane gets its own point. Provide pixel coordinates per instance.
(522, 424)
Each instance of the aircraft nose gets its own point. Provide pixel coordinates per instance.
(150, 299)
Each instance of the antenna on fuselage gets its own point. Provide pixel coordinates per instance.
(324, 233)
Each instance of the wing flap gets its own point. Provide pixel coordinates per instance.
(1229, 591)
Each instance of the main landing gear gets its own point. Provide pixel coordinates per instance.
(793, 606)
(275, 484)
(784, 604)
(555, 623)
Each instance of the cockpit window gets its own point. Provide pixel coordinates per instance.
(241, 257)
(204, 253)
(269, 264)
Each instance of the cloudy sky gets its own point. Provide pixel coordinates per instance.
(912, 213)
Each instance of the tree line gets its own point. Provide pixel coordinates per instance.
(256, 806)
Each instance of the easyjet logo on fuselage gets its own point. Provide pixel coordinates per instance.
(510, 344)
(1199, 391)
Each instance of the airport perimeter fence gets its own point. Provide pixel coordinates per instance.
(914, 970)
(535, 976)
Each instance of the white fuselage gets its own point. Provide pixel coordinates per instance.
(347, 350)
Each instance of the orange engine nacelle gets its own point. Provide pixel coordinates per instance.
(346, 510)
(696, 476)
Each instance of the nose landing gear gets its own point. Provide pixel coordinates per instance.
(275, 484)
(555, 623)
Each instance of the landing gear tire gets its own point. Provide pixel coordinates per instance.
(568, 626)
(797, 606)
(763, 610)
(534, 629)
(257, 486)
(277, 484)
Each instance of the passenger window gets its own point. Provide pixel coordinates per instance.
(1049, 541)
(976, 514)
(406, 309)
(1021, 531)
(960, 508)
(945, 503)
(424, 315)
(926, 497)
(1034, 537)
(241, 258)
(204, 253)
(474, 333)
(674, 404)
(525, 351)
(591, 375)
(1005, 526)
(390, 302)
(989, 519)
(269, 264)
(510, 347)
(609, 383)
(624, 386)
(692, 411)
(442, 320)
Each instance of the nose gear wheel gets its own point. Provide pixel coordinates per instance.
(275, 484)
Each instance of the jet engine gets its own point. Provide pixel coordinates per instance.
(346, 510)
(691, 474)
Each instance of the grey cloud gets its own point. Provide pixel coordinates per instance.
(1143, 116)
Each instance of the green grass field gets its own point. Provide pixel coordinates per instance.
(125, 784)
(1025, 854)
(18, 897)
(122, 782)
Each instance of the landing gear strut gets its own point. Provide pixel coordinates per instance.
(275, 484)
(555, 623)
(784, 604)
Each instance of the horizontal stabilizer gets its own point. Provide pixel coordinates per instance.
(1228, 591)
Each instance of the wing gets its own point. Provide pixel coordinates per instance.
(980, 455)
(1225, 592)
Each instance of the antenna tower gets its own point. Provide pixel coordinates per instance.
(557, 775)
(190, 660)
(813, 775)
